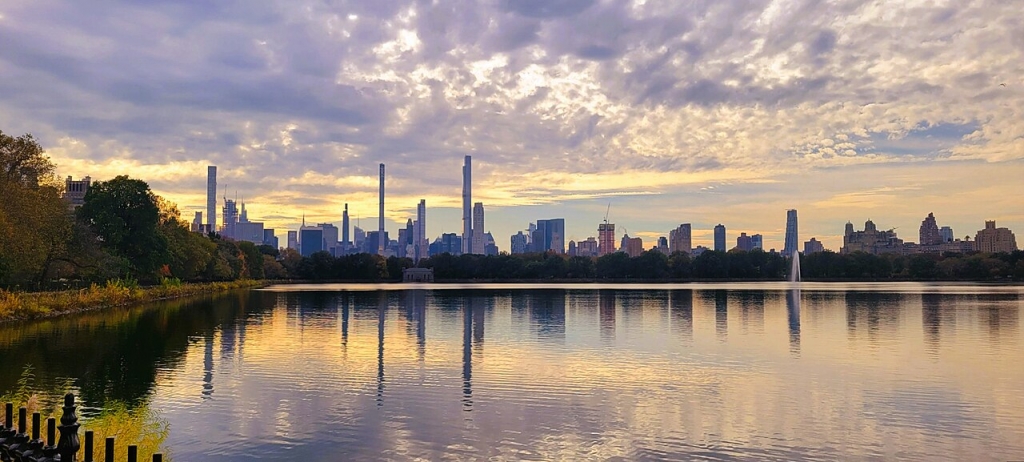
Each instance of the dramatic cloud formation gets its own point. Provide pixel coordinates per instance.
(674, 111)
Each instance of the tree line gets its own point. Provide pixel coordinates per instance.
(125, 231)
(654, 265)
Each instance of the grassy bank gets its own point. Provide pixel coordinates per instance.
(20, 305)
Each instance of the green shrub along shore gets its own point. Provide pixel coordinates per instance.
(115, 293)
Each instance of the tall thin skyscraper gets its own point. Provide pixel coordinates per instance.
(478, 229)
(420, 244)
(792, 237)
(381, 245)
(344, 228)
(467, 201)
(211, 198)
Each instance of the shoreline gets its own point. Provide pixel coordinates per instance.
(27, 306)
(1005, 282)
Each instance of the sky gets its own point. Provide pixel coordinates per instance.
(656, 112)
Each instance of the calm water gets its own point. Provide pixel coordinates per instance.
(717, 372)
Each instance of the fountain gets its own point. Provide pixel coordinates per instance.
(794, 271)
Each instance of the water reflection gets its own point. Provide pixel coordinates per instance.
(467, 353)
(868, 313)
(345, 307)
(607, 378)
(793, 319)
(931, 320)
(681, 303)
(606, 311)
(208, 366)
(721, 314)
(751, 304)
(1002, 315)
(382, 304)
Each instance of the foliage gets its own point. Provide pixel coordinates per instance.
(22, 161)
(125, 215)
(35, 228)
(919, 267)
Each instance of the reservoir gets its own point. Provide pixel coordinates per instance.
(759, 371)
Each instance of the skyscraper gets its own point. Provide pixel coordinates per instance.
(344, 229)
(478, 229)
(744, 242)
(269, 238)
(992, 239)
(329, 233)
(587, 248)
(757, 242)
(720, 238)
(467, 201)
(792, 237)
(406, 238)
(519, 243)
(311, 240)
(230, 218)
(633, 246)
(421, 246)
(211, 198)
(813, 246)
(293, 240)
(381, 243)
(358, 238)
(929, 232)
(490, 246)
(606, 238)
(947, 234)
(679, 239)
(553, 232)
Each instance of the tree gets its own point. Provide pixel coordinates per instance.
(615, 265)
(35, 227)
(124, 214)
(189, 253)
(679, 265)
(580, 267)
(652, 264)
(711, 265)
(22, 160)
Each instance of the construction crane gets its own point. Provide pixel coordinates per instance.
(606, 213)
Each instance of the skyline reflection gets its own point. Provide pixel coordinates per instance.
(531, 374)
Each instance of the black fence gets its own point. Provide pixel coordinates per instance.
(17, 446)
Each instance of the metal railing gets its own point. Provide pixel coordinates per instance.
(17, 446)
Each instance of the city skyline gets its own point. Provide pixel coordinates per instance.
(724, 112)
(789, 234)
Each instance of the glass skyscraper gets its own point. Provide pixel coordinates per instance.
(792, 237)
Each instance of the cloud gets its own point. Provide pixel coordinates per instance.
(299, 101)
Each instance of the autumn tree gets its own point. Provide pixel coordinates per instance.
(35, 226)
(125, 215)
